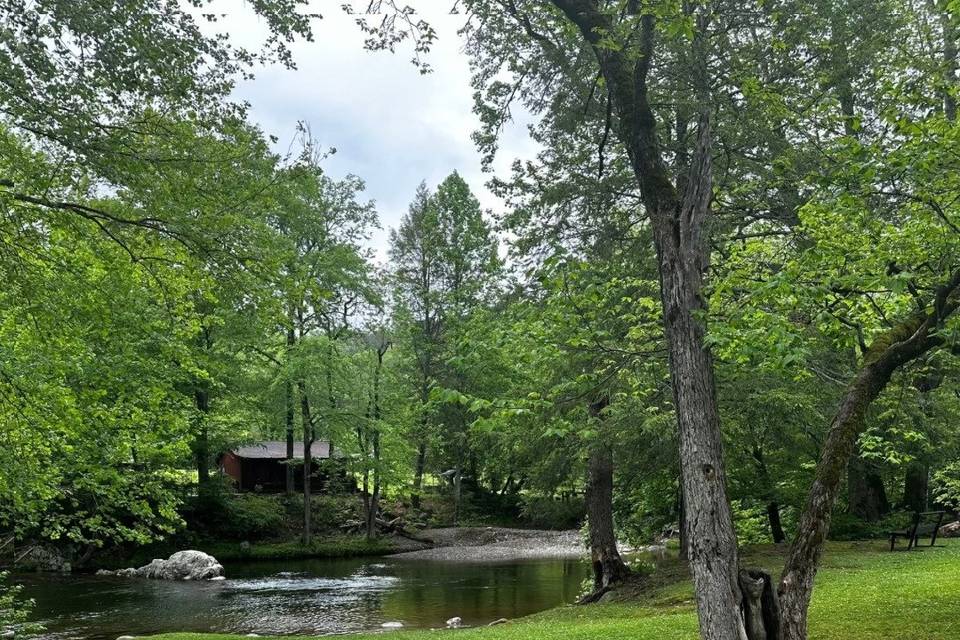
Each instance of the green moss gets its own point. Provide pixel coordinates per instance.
(863, 592)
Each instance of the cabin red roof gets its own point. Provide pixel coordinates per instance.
(277, 450)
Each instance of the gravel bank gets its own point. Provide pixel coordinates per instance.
(493, 544)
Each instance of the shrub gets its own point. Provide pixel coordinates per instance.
(946, 486)
(845, 526)
(751, 523)
(331, 511)
(14, 610)
(242, 516)
(551, 513)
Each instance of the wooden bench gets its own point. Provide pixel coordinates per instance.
(926, 523)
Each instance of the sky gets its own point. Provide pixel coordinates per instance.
(391, 126)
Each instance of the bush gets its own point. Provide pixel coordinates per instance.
(551, 513)
(751, 523)
(14, 610)
(845, 526)
(241, 516)
(946, 486)
(331, 511)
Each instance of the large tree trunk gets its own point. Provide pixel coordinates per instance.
(776, 528)
(916, 486)
(308, 436)
(866, 495)
(708, 523)
(421, 461)
(373, 505)
(201, 444)
(375, 496)
(290, 473)
(419, 467)
(608, 566)
(678, 221)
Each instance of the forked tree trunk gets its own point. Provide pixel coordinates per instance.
(678, 216)
(608, 566)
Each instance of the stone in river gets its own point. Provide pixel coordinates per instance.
(183, 565)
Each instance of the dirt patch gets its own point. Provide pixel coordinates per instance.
(496, 544)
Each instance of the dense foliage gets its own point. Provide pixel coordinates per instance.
(727, 283)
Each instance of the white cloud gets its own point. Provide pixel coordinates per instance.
(391, 125)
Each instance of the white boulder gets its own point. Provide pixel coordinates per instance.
(183, 565)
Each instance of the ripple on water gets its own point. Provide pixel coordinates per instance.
(353, 584)
(303, 598)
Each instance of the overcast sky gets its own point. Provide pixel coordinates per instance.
(391, 125)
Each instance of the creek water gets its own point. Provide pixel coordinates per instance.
(302, 597)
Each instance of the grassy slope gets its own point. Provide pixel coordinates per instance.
(862, 592)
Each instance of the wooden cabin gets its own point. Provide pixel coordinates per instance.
(261, 466)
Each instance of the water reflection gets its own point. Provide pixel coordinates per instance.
(304, 597)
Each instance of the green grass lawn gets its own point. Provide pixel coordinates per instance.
(863, 592)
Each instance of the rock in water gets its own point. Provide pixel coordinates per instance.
(392, 625)
(454, 623)
(183, 565)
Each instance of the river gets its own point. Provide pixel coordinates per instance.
(303, 597)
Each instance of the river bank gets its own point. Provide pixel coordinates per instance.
(497, 544)
(863, 591)
(449, 544)
(301, 597)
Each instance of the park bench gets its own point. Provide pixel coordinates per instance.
(925, 523)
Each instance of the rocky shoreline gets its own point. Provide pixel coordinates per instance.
(496, 544)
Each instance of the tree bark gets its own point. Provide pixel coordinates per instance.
(678, 223)
(608, 566)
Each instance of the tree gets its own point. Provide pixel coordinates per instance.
(444, 260)
(323, 280)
